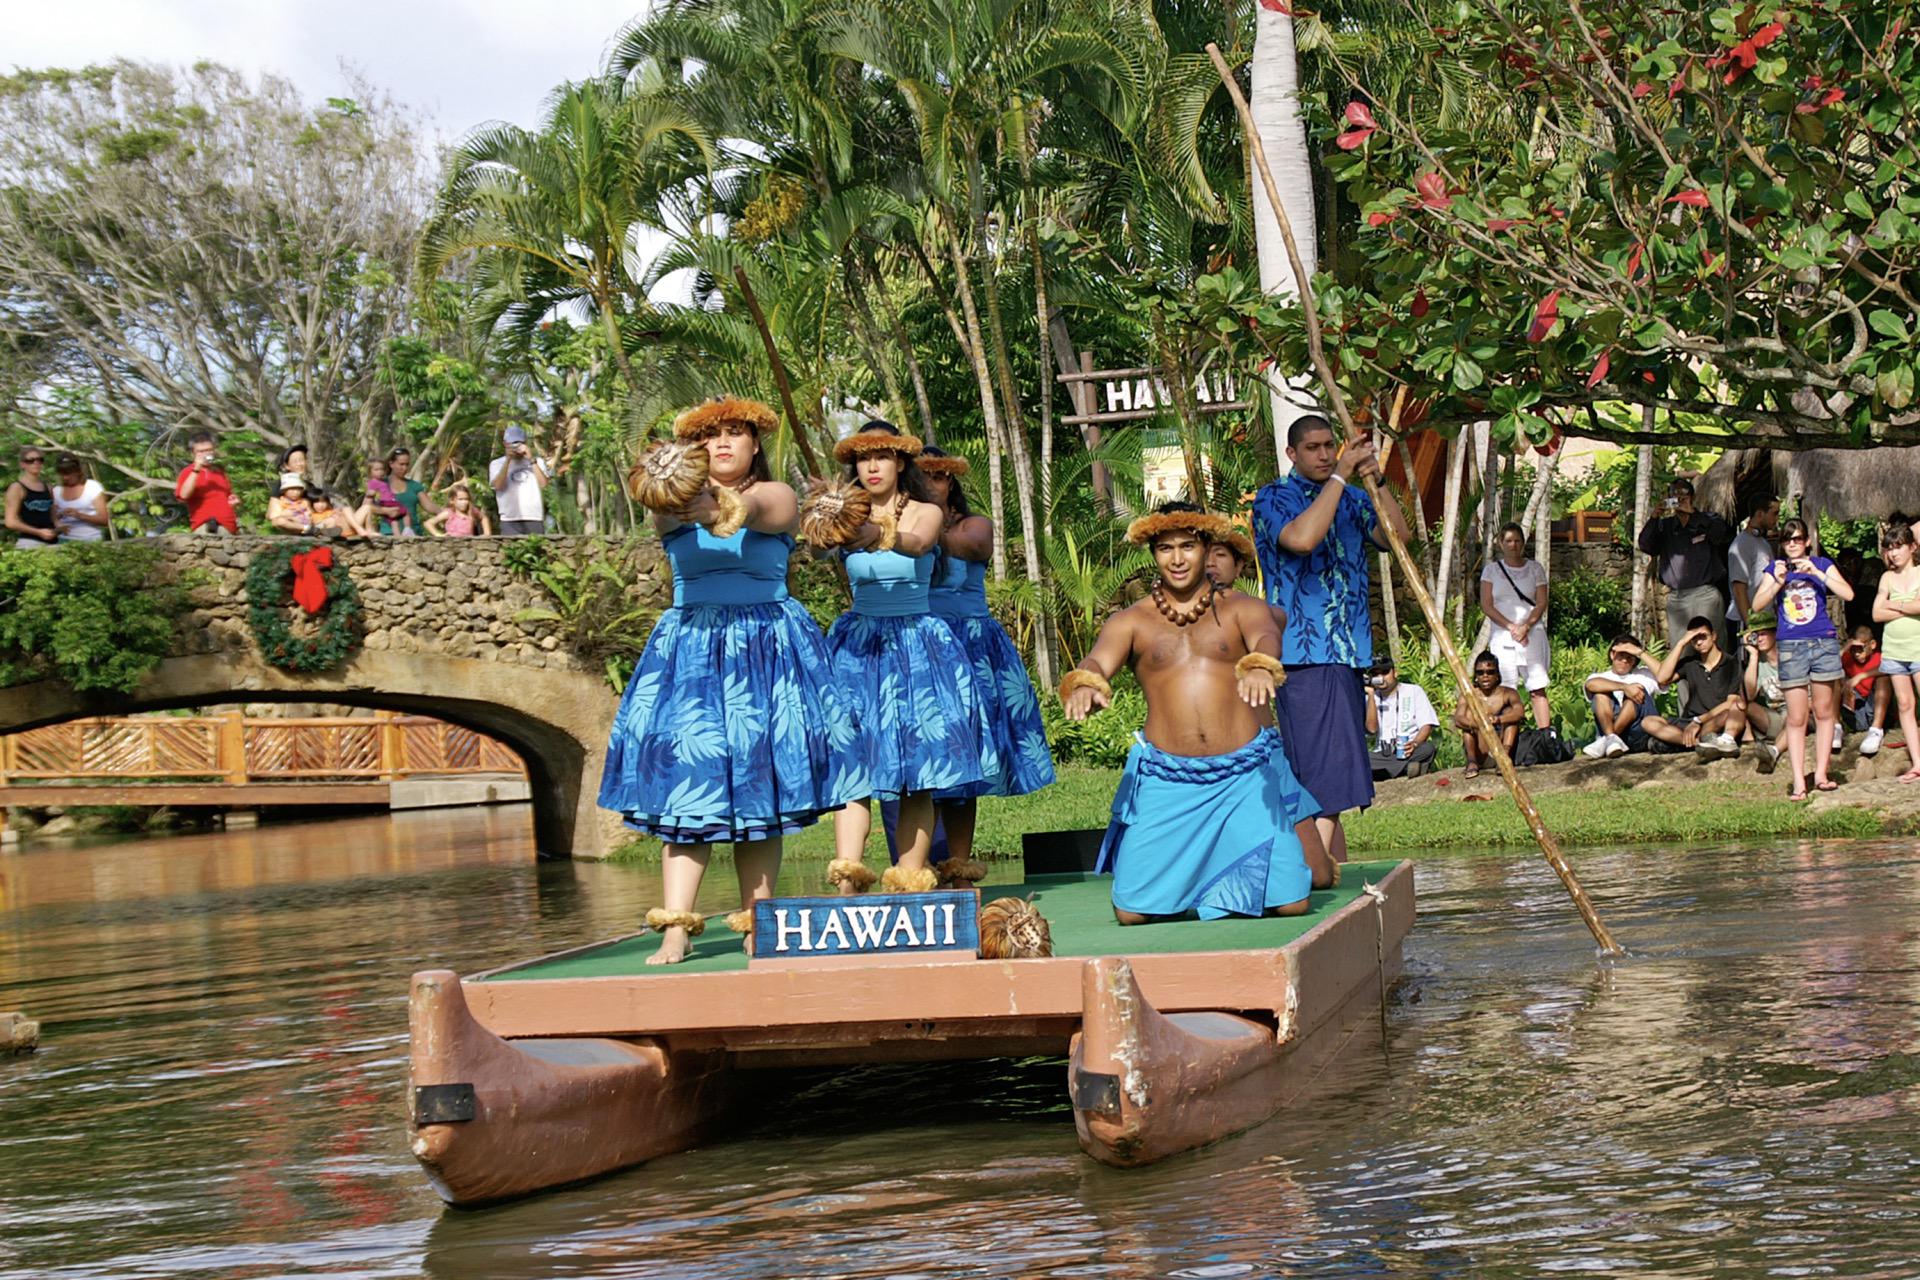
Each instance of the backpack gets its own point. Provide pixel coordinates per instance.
(1540, 746)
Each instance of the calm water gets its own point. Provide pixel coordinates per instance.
(221, 1091)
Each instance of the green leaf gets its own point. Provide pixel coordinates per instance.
(1887, 324)
(1857, 205)
(1466, 374)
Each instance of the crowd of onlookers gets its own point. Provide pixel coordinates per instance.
(1770, 648)
(391, 504)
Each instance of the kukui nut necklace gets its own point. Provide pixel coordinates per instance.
(1181, 617)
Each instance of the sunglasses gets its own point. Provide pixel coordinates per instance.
(33, 460)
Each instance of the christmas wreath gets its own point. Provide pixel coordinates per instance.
(286, 575)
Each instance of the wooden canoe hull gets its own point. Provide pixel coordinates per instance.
(1147, 1085)
(494, 1119)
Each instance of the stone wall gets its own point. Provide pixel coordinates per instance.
(449, 596)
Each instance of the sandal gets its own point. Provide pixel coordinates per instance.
(1473, 771)
(1828, 785)
(1797, 795)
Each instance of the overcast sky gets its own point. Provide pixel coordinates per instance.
(459, 62)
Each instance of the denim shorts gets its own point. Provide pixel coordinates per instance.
(1804, 662)
(1895, 667)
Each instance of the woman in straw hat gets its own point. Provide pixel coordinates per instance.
(731, 730)
(1014, 756)
(901, 669)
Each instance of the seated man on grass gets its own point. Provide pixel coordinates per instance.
(1712, 682)
(1203, 819)
(1623, 695)
(1760, 685)
(1401, 719)
(1503, 706)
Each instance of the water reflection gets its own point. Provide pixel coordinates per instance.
(225, 1022)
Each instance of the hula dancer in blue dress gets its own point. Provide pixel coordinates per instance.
(731, 730)
(899, 668)
(1013, 748)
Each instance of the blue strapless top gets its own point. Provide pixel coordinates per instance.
(748, 568)
(887, 584)
(960, 590)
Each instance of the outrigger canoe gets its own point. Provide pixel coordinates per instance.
(1176, 1034)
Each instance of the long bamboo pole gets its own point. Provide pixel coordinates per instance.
(1528, 810)
(779, 372)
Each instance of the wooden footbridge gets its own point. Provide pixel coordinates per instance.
(239, 761)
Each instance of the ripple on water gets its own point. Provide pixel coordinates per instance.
(225, 1029)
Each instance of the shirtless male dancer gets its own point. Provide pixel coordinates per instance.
(1204, 814)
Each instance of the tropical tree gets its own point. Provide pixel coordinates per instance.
(554, 216)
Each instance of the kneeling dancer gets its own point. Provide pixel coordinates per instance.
(1203, 818)
(731, 730)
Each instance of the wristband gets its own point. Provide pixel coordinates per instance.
(1337, 476)
(1080, 678)
(1261, 662)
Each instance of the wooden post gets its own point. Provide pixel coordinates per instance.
(230, 748)
(1549, 847)
(393, 748)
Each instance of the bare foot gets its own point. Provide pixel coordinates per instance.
(673, 946)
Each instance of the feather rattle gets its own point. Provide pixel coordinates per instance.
(833, 512)
(1014, 929)
(669, 475)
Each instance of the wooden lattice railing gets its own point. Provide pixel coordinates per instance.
(239, 749)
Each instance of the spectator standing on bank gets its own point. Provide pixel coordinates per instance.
(460, 518)
(410, 494)
(1689, 550)
(1749, 556)
(519, 480)
(1314, 536)
(204, 487)
(79, 504)
(384, 511)
(30, 502)
(1810, 670)
(1513, 596)
(1897, 605)
(1402, 720)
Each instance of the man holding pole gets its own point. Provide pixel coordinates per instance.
(1314, 535)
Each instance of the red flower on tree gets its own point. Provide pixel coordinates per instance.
(1544, 317)
(1433, 190)
(1364, 125)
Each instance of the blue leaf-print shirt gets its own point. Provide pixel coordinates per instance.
(1325, 591)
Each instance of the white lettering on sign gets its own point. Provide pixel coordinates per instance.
(1119, 397)
(947, 912)
(835, 929)
(903, 923)
(867, 924)
(1147, 394)
(783, 928)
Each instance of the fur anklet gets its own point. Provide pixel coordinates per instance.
(740, 921)
(960, 871)
(1260, 662)
(659, 919)
(847, 871)
(1081, 678)
(905, 880)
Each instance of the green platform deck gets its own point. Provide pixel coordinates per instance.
(1078, 909)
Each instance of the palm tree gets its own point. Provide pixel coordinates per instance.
(553, 215)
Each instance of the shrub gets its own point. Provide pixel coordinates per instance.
(594, 608)
(1586, 608)
(99, 617)
(1102, 739)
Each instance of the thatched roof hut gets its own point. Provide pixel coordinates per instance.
(1848, 484)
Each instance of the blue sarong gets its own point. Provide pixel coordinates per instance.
(1208, 834)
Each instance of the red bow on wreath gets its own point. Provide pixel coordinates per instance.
(309, 587)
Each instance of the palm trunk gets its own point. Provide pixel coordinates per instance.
(1489, 499)
(1275, 102)
(866, 335)
(983, 381)
(898, 332)
(1543, 511)
(1042, 313)
(1642, 500)
(1457, 453)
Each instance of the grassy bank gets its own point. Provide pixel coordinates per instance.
(1682, 814)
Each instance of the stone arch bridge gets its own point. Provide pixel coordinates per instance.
(442, 638)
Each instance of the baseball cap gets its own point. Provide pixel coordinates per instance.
(516, 435)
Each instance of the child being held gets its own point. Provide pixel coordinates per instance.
(385, 505)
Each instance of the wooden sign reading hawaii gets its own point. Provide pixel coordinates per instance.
(906, 925)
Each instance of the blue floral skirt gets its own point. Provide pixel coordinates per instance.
(912, 692)
(732, 729)
(1014, 756)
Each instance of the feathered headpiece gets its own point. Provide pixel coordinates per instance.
(866, 442)
(943, 466)
(707, 417)
(1242, 547)
(1210, 527)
